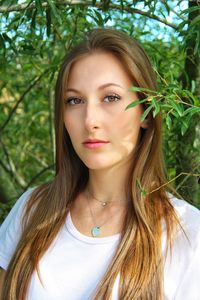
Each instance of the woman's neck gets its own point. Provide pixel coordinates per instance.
(107, 185)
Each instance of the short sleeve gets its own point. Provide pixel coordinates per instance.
(182, 270)
(189, 285)
(11, 229)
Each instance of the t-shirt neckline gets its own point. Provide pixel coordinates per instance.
(86, 239)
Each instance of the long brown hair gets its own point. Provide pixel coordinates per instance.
(139, 258)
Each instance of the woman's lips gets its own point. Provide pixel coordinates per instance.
(94, 145)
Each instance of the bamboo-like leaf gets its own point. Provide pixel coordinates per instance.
(33, 21)
(184, 127)
(178, 107)
(197, 44)
(195, 20)
(48, 21)
(169, 122)
(156, 107)
(189, 10)
(135, 103)
(142, 190)
(2, 42)
(191, 111)
(193, 83)
(39, 6)
(54, 11)
(146, 112)
(182, 24)
(6, 37)
(100, 20)
(140, 89)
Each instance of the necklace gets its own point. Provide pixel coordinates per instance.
(96, 230)
(103, 203)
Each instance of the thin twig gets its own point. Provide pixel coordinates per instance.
(166, 183)
(38, 175)
(11, 170)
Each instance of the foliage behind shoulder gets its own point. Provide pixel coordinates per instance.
(34, 37)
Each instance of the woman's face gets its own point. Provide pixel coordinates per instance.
(97, 93)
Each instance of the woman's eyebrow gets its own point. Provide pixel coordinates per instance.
(99, 88)
(109, 84)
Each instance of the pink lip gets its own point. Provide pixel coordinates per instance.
(94, 145)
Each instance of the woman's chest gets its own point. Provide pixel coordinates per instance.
(70, 270)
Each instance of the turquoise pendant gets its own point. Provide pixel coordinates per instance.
(96, 231)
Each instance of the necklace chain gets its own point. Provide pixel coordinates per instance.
(103, 203)
(96, 230)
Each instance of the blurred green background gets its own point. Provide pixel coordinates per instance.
(35, 36)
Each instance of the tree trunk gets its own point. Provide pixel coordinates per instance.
(186, 159)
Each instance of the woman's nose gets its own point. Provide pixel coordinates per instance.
(92, 117)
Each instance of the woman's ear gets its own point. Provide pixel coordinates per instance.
(145, 123)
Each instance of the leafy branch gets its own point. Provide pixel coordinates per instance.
(144, 193)
(38, 175)
(54, 4)
(168, 100)
(173, 179)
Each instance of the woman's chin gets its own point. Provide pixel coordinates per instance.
(97, 165)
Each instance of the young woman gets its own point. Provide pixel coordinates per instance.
(92, 233)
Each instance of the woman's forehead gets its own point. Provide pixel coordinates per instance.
(98, 69)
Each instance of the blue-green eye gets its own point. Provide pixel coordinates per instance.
(112, 98)
(73, 101)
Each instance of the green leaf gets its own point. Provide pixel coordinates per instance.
(140, 89)
(169, 122)
(193, 83)
(39, 6)
(189, 10)
(54, 11)
(146, 112)
(184, 126)
(197, 44)
(122, 5)
(33, 21)
(48, 21)
(143, 192)
(100, 20)
(2, 42)
(135, 103)
(195, 20)
(191, 111)
(181, 25)
(6, 37)
(178, 107)
(156, 107)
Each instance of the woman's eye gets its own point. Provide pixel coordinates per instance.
(73, 101)
(112, 98)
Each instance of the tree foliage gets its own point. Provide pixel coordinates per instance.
(35, 36)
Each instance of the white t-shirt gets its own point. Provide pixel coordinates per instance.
(74, 264)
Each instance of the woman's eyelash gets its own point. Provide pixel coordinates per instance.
(69, 100)
(112, 97)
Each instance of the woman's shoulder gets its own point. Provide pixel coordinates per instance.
(17, 210)
(182, 267)
(24, 197)
(11, 229)
(185, 210)
(189, 218)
